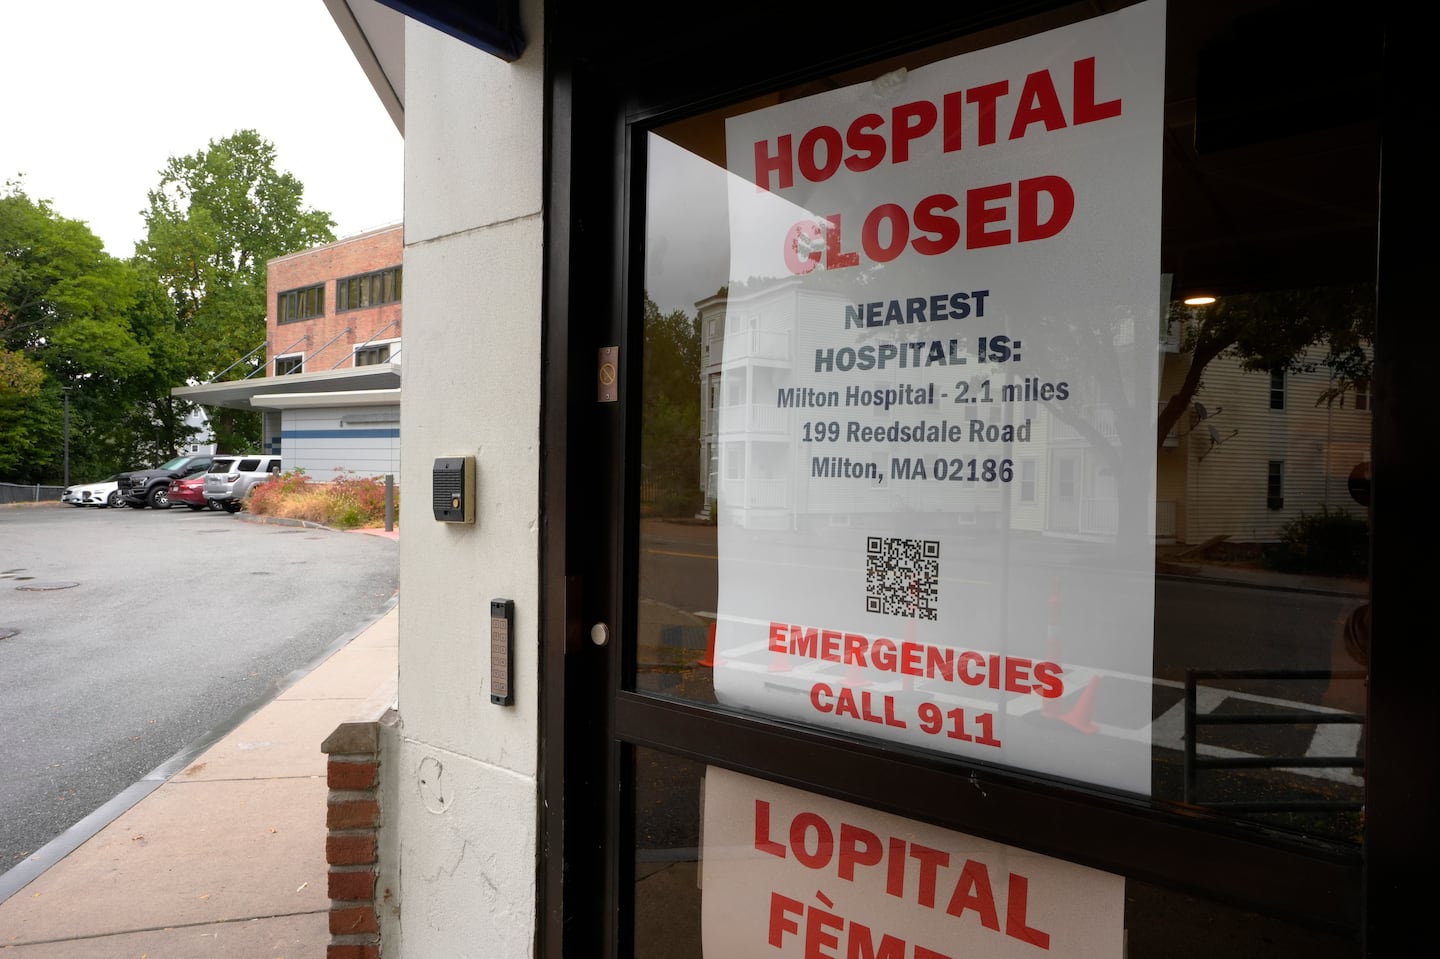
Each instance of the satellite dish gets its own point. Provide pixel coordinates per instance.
(1214, 436)
(1200, 412)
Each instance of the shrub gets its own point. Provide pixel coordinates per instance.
(348, 502)
(1331, 542)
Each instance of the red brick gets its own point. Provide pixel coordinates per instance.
(350, 850)
(352, 919)
(352, 952)
(352, 885)
(378, 250)
(352, 814)
(343, 775)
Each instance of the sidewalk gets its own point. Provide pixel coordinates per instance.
(225, 859)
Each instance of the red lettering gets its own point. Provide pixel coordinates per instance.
(858, 847)
(1016, 906)
(780, 909)
(1039, 103)
(860, 944)
(810, 168)
(818, 697)
(824, 840)
(993, 671)
(763, 842)
(972, 891)
(845, 703)
(1086, 110)
(1017, 672)
(869, 146)
(930, 860)
(910, 654)
(891, 213)
(986, 95)
(835, 257)
(912, 121)
(778, 634)
(969, 659)
(952, 109)
(942, 232)
(830, 645)
(817, 924)
(940, 661)
(1048, 677)
(855, 649)
(895, 868)
(804, 642)
(978, 215)
(802, 247)
(882, 654)
(1062, 207)
(779, 164)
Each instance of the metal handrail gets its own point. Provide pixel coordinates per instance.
(263, 344)
(287, 349)
(360, 346)
(1194, 720)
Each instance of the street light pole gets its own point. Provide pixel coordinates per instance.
(66, 391)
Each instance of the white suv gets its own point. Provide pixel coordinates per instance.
(231, 477)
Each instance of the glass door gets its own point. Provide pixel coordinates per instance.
(984, 599)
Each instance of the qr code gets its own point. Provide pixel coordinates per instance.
(902, 577)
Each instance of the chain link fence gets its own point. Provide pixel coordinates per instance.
(29, 493)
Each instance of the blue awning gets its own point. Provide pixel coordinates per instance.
(491, 25)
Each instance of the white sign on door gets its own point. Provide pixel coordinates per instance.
(937, 489)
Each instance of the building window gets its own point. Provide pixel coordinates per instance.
(372, 355)
(1275, 485)
(285, 365)
(1277, 390)
(1362, 395)
(1065, 484)
(367, 289)
(303, 304)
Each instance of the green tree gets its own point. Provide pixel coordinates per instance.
(670, 434)
(72, 320)
(1275, 330)
(215, 219)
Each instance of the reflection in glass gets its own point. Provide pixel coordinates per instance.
(1255, 703)
(667, 856)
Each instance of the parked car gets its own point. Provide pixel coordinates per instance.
(189, 491)
(226, 486)
(102, 494)
(142, 488)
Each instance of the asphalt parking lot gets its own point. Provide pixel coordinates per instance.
(128, 636)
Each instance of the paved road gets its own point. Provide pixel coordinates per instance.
(177, 623)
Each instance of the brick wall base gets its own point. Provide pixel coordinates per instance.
(352, 816)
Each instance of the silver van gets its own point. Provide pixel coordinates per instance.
(228, 480)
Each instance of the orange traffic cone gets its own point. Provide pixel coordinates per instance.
(1079, 717)
(710, 660)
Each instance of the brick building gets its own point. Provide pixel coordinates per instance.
(330, 390)
(335, 306)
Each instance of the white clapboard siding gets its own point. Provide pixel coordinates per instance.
(1226, 481)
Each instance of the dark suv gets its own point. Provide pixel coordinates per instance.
(141, 488)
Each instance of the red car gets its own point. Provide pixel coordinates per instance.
(190, 491)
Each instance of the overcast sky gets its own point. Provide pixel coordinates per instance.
(100, 94)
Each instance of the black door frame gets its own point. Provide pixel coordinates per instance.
(597, 63)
